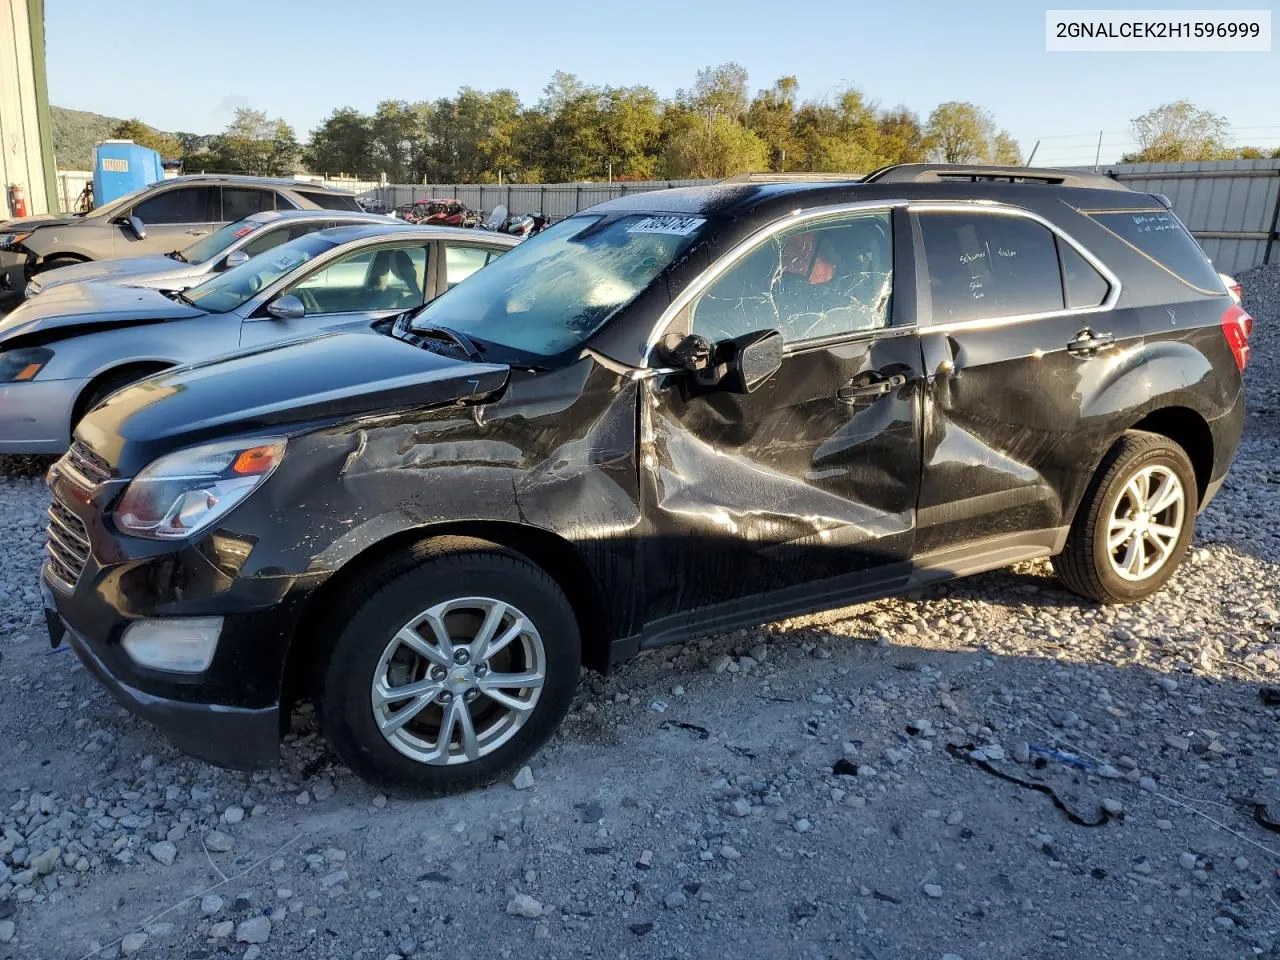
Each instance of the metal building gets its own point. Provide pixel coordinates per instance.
(26, 128)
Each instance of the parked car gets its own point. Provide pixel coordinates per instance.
(675, 413)
(65, 350)
(441, 213)
(165, 216)
(228, 247)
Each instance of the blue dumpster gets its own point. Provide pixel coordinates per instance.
(120, 167)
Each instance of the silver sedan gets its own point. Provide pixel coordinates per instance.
(227, 247)
(66, 350)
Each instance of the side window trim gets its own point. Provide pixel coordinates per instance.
(679, 307)
(977, 208)
(287, 284)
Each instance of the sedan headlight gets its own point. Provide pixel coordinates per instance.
(181, 494)
(23, 363)
(10, 240)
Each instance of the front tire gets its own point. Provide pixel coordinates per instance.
(457, 662)
(1134, 524)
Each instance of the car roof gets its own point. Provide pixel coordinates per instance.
(283, 182)
(768, 192)
(356, 216)
(392, 227)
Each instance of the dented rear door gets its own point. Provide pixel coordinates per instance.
(1020, 344)
(806, 487)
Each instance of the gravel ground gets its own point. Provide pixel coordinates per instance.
(782, 792)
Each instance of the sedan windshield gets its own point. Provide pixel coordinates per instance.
(553, 292)
(206, 248)
(237, 286)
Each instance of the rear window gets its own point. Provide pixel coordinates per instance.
(1159, 235)
(331, 201)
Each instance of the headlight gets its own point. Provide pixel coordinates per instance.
(9, 240)
(184, 492)
(23, 363)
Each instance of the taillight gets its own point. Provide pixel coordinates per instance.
(1237, 325)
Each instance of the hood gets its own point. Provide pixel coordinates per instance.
(67, 310)
(41, 220)
(329, 378)
(131, 268)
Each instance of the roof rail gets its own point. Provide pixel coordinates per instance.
(956, 172)
(793, 178)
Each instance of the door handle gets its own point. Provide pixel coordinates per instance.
(196, 233)
(1086, 343)
(861, 388)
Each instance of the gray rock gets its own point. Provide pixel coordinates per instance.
(222, 929)
(210, 904)
(164, 852)
(932, 890)
(233, 814)
(1187, 861)
(218, 842)
(675, 900)
(8, 930)
(133, 943)
(334, 878)
(254, 930)
(44, 864)
(523, 905)
(720, 663)
(524, 779)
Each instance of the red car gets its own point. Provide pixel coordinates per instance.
(439, 213)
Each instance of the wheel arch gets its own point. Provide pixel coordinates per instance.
(1190, 431)
(552, 553)
(142, 368)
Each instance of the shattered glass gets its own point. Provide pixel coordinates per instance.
(813, 281)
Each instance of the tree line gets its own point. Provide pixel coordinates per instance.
(576, 131)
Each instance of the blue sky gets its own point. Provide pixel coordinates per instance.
(181, 70)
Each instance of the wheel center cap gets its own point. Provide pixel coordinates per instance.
(460, 680)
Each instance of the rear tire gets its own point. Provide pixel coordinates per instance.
(430, 637)
(1134, 525)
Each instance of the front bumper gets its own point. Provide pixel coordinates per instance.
(239, 737)
(230, 714)
(35, 417)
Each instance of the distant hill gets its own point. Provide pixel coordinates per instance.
(75, 132)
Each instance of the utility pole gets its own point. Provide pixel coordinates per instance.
(1097, 157)
(1033, 153)
(610, 173)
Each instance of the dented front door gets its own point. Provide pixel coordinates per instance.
(791, 496)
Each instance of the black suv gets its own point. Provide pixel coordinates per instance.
(674, 413)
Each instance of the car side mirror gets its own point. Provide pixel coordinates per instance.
(287, 307)
(754, 358)
(738, 365)
(138, 228)
(234, 259)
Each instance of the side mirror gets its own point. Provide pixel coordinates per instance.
(755, 358)
(738, 365)
(234, 259)
(137, 226)
(287, 307)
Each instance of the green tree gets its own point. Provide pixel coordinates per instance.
(902, 138)
(772, 117)
(1179, 131)
(167, 145)
(709, 145)
(721, 90)
(342, 144)
(397, 137)
(254, 144)
(839, 137)
(960, 132)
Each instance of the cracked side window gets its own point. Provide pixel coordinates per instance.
(816, 280)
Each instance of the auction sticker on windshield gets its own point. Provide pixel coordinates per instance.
(676, 226)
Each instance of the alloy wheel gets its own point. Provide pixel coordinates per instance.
(458, 680)
(1146, 522)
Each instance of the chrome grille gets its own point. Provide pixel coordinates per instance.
(87, 463)
(67, 547)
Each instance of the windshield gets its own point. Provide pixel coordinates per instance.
(238, 285)
(209, 247)
(554, 291)
(118, 204)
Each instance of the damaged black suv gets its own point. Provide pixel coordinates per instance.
(674, 413)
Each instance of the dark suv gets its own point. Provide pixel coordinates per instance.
(674, 413)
